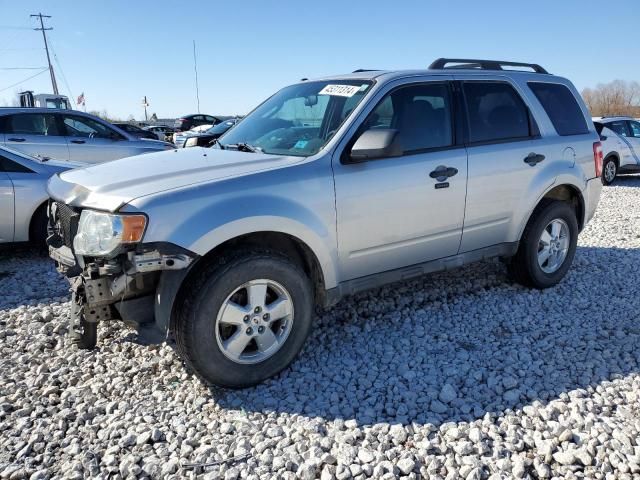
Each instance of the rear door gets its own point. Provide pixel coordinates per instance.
(36, 134)
(634, 140)
(93, 142)
(506, 156)
(392, 212)
(7, 206)
(624, 136)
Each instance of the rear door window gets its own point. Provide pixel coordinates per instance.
(495, 113)
(561, 107)
(32, 124)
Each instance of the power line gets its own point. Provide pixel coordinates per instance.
(24, 80)
(46, 47)
(21, 68)
(12, 27)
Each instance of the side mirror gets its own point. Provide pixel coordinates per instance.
(375, 143)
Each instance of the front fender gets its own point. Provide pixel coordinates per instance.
(201, 226)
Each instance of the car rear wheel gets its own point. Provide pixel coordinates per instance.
(244, 319)
(609, 171)
(547, 246)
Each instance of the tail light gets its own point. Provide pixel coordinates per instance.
(597, 157)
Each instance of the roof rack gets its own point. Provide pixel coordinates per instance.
(360, 70)
(466, 63)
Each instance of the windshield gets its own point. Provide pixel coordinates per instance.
(300, 119)
(222, 126)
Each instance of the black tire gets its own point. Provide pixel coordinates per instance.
(87, 336)
(38, 227)
(195, 323)
(613, 166)
(524, 267)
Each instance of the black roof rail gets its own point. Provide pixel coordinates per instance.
(441, 63)
(360, 70)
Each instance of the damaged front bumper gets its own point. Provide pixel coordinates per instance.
(125, 287)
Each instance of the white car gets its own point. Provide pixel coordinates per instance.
(161, 131)
(620, 137)
(180, 137)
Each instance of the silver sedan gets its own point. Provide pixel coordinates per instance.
(23, 195)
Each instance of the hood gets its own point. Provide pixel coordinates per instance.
(108, 186)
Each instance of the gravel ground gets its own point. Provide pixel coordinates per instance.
(457, 375)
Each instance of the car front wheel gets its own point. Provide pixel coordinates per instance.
(244, 318)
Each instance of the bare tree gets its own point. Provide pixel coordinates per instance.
(619, 97)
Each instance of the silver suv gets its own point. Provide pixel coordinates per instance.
(329, 187)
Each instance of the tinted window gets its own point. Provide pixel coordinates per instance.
(562, 108)
(420, 113)
(495, 112)
(635, 129)
(86, 127)
(32, 124)
(11, 166)
(620, 127)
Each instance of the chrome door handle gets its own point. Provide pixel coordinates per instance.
(78, 141)
(13, 139)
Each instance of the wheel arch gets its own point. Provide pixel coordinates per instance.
(173, 284)
(565, 192)
(32, 225)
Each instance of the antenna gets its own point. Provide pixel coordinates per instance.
(46, 47)
(195, 68)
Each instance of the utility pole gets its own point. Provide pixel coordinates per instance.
(145, 104)
(46, 47)
(195, 68)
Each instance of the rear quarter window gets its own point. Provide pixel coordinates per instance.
(561, 107)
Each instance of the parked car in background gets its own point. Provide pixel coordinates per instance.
(23, 195)
(162, 132)
(206, 138)
(620, 137)
(328, 188)
(180, 137)
(187, 122)
(135, 130)
(69, 135)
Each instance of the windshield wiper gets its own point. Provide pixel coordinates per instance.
(244, 147)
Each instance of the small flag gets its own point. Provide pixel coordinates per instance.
(81, 99)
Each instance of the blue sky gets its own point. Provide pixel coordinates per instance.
(119, 51)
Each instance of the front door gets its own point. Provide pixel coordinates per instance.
(91, 141)
(36, 134)
(393, 212)
(634, 140)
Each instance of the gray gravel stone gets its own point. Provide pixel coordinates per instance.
(496, 381)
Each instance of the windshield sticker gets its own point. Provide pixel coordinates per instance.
(340, 90)
(301, 144)
(363, 87)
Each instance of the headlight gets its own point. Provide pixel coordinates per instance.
(100, 234)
